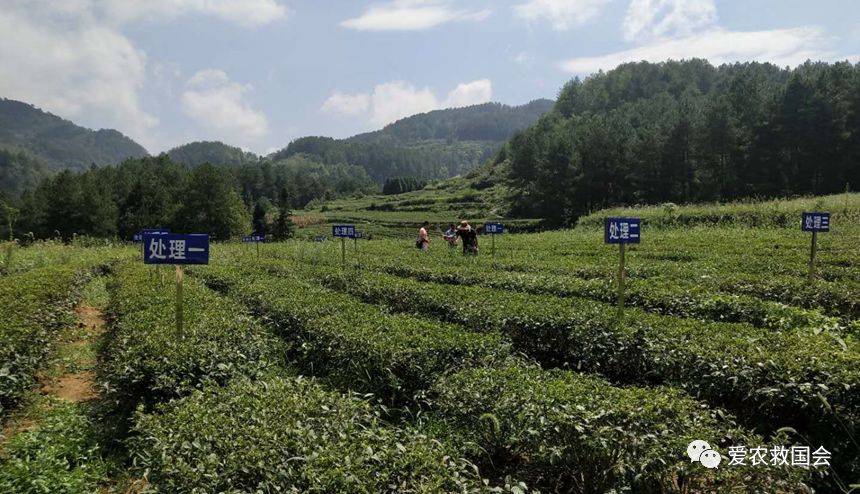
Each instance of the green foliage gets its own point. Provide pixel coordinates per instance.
(214, 153)
(689, 132)
(60, 143)
(284, 227)
(288, 434)
(559, 431)
(19, 170)
(399, 185)
(61, 455)
(33, 305)
(354, 344)
(434, 145)
(758, 374)
(146, 360)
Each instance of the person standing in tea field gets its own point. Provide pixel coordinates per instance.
(423, 242)
(470, 238)
(451, 236)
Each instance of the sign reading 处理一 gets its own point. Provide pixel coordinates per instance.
(494, 228)
(343, 231)
(174, 248)
(816, 222)
(621, 230)
(256, 237)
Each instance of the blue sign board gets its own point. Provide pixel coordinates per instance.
(343, 231)
(621, 230)
(493, 228)
(174, 248)
(138, 237)
(257, 237)
(319, 238)
(816, 222)
(357, 235)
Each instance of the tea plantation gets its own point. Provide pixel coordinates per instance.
(404, 371)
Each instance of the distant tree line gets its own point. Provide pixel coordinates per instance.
(687, 132)
(118, 201)
(400, 185)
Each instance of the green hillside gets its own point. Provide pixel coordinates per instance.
(435, 145)
(213, 152)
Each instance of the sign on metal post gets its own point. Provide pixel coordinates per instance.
(343, 232)
(814, 222)
(493, 229)
(177, 249)
(621, 231)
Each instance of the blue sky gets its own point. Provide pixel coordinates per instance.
(259, 73)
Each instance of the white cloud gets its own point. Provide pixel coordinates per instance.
(65, 62)
(647, 19)
(469, 93)
(346, 104)
(561, 14)
(248, 13)
(394, 100)
(780, 46)
(411, 15)
(221, 106)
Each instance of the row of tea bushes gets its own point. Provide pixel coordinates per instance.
(33, 306)
(222, 414)
(565, 432)
(354, 344)
(651, 295)
(533, 447)
(763, 376)
(145, 359)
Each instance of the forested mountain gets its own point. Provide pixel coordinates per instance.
(687, 132)
(438, 144)
(214, 152)
(58, 142)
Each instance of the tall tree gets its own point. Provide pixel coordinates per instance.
(284, 228)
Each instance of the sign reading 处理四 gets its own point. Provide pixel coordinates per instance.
(343, 231)
(621, 230)
(173, 248)
(816, 222)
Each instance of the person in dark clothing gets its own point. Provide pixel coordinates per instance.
(469, 237)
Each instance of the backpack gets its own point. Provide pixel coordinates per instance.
(418, 243)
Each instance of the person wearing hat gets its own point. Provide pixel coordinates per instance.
(470, 238)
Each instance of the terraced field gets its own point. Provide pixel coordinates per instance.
(400, 371)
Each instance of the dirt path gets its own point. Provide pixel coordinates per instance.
(68, 376)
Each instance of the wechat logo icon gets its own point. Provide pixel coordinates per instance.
(701, 451)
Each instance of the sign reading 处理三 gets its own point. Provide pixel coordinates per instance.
(816, 222)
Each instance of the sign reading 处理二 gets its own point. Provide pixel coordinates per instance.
(138, 237)
(815, 222)
(173, 248)
(257, 237)
(621, 230)
(343, 231)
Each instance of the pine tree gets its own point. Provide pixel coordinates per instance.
(261, 226)
(283, 227)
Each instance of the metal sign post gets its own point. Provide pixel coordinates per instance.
(814, 222)
(176, 249)
(621, 231)
(493, 229)
(343, 232)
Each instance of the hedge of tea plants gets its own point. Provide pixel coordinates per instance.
(33, 306)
